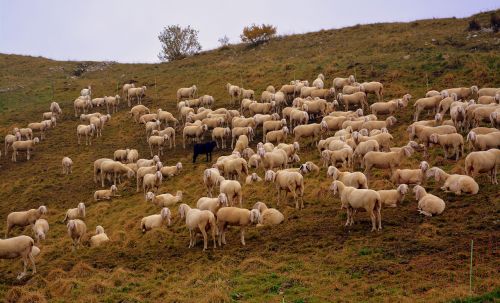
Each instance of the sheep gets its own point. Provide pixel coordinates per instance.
(323, 93)
(147, 162)
(236, 132)
(75, 213)
(9, 140)
(423, 133)
(40, 229)
(116, 169)
(358, 99)
(410, 176)
(169, 131)
(132, 156)
(39, 126)
(308, 167)
(55, 109)
(288, 181)
(112, 102)
(243, 122)
(87, 131)
(495, 118)
(484, 142)
(273, 159)
(290, 149)
(371, 125)
(99, 238)
(462, 92)
(20, 246)
(152, 181)
(252, 178)
(24, 218)
(354, 179)
(392, 197)
(143, 119)
(339, 83)
(232, 189)
(482, 114)
(318, 83)
(429, 103)
(266, 97)
(211, 178)
(152, 125)
(314, 130)
(195, 132)
(457, 114)
(362, 149)
(447, 141)
(76, 230)
(105, 194)
(445, 103)
(261, 108)
(212, 204)
(428, 204)
(343, 155)
(277, 136)
(81, 105)
(268, 216)
(207, 100)
(155, 221)
(137, 93)
(432, 93)
(488, 91)
(484, 130)
(384, 140)
(170, 171)
(454, 183)
(142, 171)
(198, 221)
(166, 117)
(383, 108)
(164, 200)
(483, 162)
(67, 166)
(186, 92)
(234, 216)
(247, 93)
(375, 88)
(158, 141)
(222, 134)
(138, 111)
(385, 159)
(298, 117)
(353, 199)
(234, 92)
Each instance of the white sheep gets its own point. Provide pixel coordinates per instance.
(75, 213)
(449, 141)
(138, 111)
(106, 194)
(428, 204)
(170, 171)
(186, 92)
(308, 167)
(99, 238)
(358, 99)
(40, 229)
(353, 199)
(288, 181)
(20, 246)
(114, 169)
(27, 146)
(155, 221)
(67, 166)
(194, 132)
(85, 130)
(136, 93)
(375, 88)
(234, 92)
(234, 216)
(385, 159)
(355, 179)
(232, 189)
(454, 183)
(198, 221)
(277, 136)
(76, 230)
(152, 181)
(484, 142)
(24, 218)
(268, 216)
(410, 176)
(9, 139)
(428, 103)
(164, 200)
(252, 178)
(221, 133)
(211, 178)
(339, 83)
(158, 141)
(212, 204)
(393, 197)
(314, 130)
(483, 162)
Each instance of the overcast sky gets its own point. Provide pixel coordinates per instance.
(126, 31)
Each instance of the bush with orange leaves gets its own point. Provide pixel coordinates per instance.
(256, 34)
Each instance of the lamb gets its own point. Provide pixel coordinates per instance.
(232, 189)
(484, 142)
(24, 218)
(170, 171)
(455, 183)
(483, 162)
(164, 200)
(410, 176)
(76, 230)
(198, 221)
(233, 216)
(428, 204)
(308, 167)
(385, 159)
(447, 141)
(112, 102)
(268, 216)
(313, 130)
(211, 178)
(138, 111)
(277, 136)
(195, 132)
(252, 178)
(155, 221)
(75, 213)
(353, 199)
(106, 194)
(358, 99)
(158, 141)
(392, 197)
(186, 92)
(288, 181)
(152, 181)
(339, 83)
(137, 93)
(40, 229)
(87, 131)
(67, 166)
(99, 238)
(354, 179)
(212, 204)
(429, 103)
(20, 246)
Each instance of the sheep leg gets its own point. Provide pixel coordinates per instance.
(204, 233)
(348, 217)
(25, 264)
(242, 233)
(32, 259)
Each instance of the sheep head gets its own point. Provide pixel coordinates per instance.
(99, 229)
(223, 200)
(81, 209)
(419, 192)
(254, 215)
(42, 210)
(424, 166)
(471, 136)
(150, 196)
(113, 189)
(402, 189)
(270, 176)
(334, 187)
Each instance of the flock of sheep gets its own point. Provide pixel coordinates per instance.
(331, 119)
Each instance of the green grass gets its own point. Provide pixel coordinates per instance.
(312, 257)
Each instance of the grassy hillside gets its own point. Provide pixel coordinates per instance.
(309, 258)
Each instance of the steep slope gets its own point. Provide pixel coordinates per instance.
(309, 258)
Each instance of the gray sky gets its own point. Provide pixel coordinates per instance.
(126, 31)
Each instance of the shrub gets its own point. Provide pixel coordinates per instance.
(224, 42)
(256, 34)
(178, 42)
(494, 22)
(474, 25)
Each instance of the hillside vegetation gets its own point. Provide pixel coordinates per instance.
(311, 257)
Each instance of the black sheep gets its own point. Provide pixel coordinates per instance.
(204, 148)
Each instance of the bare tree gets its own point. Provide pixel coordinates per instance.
(178, 42)
(224, 41)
